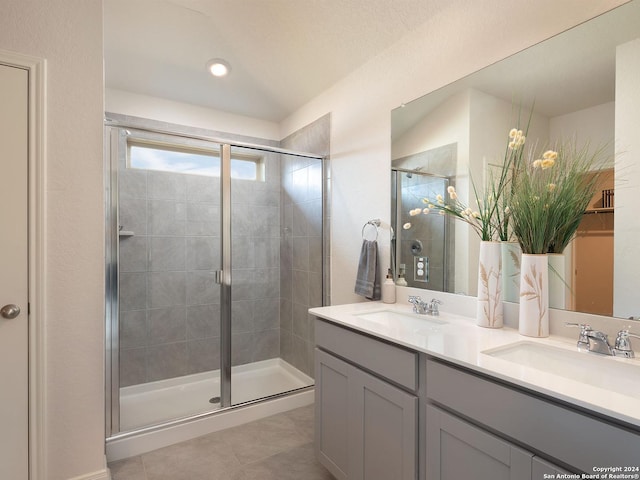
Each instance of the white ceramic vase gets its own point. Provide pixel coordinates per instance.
(489, 312)
(511, 258)
(533, 320)
(558, 294)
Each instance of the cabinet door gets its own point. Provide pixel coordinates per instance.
(384, 436)
(332, 413)
(457, 450)
(541, 467)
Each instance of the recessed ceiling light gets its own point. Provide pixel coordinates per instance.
(218, 67)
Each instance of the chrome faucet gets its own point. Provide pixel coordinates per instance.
(598, 342)
(592, 340)
(425, 308)
(623, 344)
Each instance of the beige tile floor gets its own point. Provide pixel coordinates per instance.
(279, 447)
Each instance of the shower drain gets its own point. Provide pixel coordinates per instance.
(214, 400)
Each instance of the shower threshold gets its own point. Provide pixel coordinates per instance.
(161, 401)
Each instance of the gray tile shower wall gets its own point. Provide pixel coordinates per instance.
(301, 267)
(170, 305)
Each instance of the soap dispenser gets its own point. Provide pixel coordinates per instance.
(401, 281)
(389, 289)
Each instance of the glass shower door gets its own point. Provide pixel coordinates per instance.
(276, 252)
(168, 250)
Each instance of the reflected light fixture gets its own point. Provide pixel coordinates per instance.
(218, 67)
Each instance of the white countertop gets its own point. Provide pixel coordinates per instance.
(462, 342)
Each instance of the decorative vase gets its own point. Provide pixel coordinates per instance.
(558, 287)
(511, 257)
(489, 312)
(534, 296)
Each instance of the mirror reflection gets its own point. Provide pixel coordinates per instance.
(582, 85)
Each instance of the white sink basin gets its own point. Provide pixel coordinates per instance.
(404, 321)
(600, 371)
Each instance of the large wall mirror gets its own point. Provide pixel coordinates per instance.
(583, 84)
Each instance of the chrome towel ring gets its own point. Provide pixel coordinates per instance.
(375, 223)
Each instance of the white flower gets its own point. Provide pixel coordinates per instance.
(547, 163)
(406, 226)
(440, 199)
(415, 212)
(517, 138)
(442, 212)
(537, 163)
(507, 210)
(453, 195)
(476, 214)
(451, 189)
(550, 154)
(426, 211)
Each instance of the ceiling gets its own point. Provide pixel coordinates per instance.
(282, 53)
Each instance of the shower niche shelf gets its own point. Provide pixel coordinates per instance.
(126, 233)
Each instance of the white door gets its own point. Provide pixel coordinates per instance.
(14, 405)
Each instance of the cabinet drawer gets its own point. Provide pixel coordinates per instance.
(391, 362)
(573, 438)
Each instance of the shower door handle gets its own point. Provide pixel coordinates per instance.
(217, 277)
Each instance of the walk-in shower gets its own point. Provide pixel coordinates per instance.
(214, 255)
(422, 252)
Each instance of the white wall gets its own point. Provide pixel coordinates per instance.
(462, 37)
(594, 125)
(447, 123)
(133, 104)
(626, 269)
(68, 34)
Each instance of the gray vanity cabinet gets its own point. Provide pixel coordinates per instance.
(540, 468)
(458, 450)
(556, 431)
(366, 424)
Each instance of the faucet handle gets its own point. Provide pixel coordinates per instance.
(433, 306)
(623, 344)
(416, 301)
(585, 329)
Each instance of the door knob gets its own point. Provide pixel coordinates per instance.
(10, 311)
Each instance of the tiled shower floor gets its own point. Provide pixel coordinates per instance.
(274, 448)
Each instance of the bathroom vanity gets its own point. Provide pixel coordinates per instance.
(408, 396)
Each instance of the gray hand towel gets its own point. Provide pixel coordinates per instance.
(368, 279)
